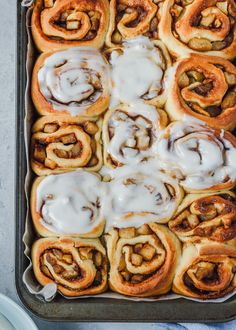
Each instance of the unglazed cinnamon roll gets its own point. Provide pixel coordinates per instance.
(67, 204)
(73, 81)
(202, 26)
(131, 18)
(59, 24)
(130, 133)
(204, 216)
(206, 271)
(203, 87)
(202, 158)
(143, 260)
(138, 71)
(137, 198)
(77, 266)
(64, 143)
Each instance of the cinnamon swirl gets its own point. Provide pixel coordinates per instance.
(73, 81)
(142, 260)
(132, 18)
(63, 143)
(77, 266)
(206, 271)
(199, 26)
(59, 24)
(206, 216)
(203, 87)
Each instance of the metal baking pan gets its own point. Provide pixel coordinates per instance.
(89, 309)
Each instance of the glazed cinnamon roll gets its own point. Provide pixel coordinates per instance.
(67, 204)
(203, 87)
(77, 266)
(64, 143)
(206, 271)
(202, 216)
(73, 81)
(130, 133)
(133, 199)
(60, 24)
(202, 158)
(132, 18)
(142, 260)
(138, 71)
(202, 26)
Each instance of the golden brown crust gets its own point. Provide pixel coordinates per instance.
(204, 87)
(199, 26)
(206, 271)
(44, 231)
(77, 266)
(45, 107)
(143, 260)
(131, 18)
(62, 24)
(206, 216)
(63, 143)
(123, 114)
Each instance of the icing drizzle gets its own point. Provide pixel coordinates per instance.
(73, 79)
(69, 203)
(136, 73)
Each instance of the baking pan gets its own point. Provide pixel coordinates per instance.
(89, 309)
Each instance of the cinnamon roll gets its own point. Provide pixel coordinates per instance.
(132, 18)
(202, 158)
(73, 81)
(130, 133)
(142, 260)
(133, 199)
(206, 271)
(204, 216)
(138, 71)
(67, 204)
(203, 87)
(199, 26)
(77, 266)
(60, 24)
(64, 143)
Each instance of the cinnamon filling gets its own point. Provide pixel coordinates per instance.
(72, 19)
(39, 146)
(140, 254)
(209, 18)
(138, 14)
(208, 209)
(207, 273)
(59, 262)
(197, 82)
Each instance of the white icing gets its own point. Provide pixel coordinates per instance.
(70, 202)
(135, 198)
(137, 72)
(194, 151)
(132, 131)
(67, 79)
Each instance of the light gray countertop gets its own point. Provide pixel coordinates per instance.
(7, 152)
